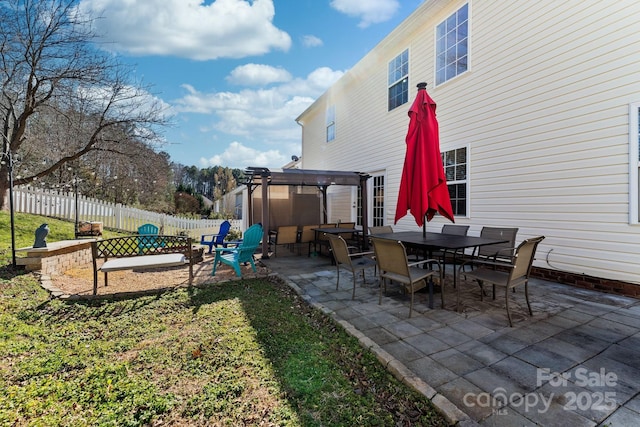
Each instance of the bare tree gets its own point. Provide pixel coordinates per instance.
(62, 98)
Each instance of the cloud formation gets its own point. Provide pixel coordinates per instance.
(188, 28)
(369, 12)
(265, 114)
(311, 41)
(240, 156)
(258, 75)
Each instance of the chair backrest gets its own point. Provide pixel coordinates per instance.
(250, 242)
(381, 229)
(347, 236)
(458, 230)
(222, 233)
(498, 233)
(339, 249)
(323, 236)
(287, 234)
(524, 258)
(391, 256)
(308, 234)
(148, 229)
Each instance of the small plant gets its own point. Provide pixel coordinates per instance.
(234, 234)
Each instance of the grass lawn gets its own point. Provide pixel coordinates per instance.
(235, 353)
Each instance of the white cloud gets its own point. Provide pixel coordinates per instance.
(258, 74)
(369, 12)
(188, 28)
(311, 41)
(266, 116)
(259, 113)
(240, 156)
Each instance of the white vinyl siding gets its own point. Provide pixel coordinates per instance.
(543, 110)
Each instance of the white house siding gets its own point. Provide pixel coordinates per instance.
(543, 110)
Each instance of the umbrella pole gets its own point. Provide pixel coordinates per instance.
(424, 226)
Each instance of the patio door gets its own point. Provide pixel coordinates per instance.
(375, 189)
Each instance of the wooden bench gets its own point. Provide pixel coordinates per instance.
(126, 253)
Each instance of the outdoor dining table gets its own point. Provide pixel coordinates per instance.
(332, 230)
(440, 242)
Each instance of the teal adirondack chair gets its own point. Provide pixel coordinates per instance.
(148, 239)
(242, 253)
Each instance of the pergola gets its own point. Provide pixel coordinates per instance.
(256, 176)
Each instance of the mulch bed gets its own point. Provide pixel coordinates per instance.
(78, 281)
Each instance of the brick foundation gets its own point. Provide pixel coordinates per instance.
(57, 257)
(588, 282)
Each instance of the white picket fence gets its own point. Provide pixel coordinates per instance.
(112, 215)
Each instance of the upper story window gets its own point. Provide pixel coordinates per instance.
(452, 44)
(398, 80)
(455, 169)
(331, 123)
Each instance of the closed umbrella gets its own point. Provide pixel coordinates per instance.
(423, 186)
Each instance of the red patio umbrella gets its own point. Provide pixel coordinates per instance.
(423, 186)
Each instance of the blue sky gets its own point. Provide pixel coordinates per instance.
(235, 74)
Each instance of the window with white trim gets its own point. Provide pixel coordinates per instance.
(331, 123)
(398, 80)
(634, 163)
(452, 44)
(455, 169)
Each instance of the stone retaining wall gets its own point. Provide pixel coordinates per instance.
(57, 257)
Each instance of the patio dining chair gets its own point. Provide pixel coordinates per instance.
(499, 251)
(354, 262)
(508, 275)
(381, 229)
(321, 239)
(285, 235)
(307, 236)
(394, 265)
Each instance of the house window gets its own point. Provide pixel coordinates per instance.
(452, 44)
(634, 163)
(455, 168)
(331, 123)
(398, 81)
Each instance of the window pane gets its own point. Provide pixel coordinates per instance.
(461, 155)
(463, 13)
(451, 23)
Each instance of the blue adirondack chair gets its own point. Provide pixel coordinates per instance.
(148, 238)
(216, 240)
(242, 253)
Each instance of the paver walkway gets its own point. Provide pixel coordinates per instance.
(575, 362)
